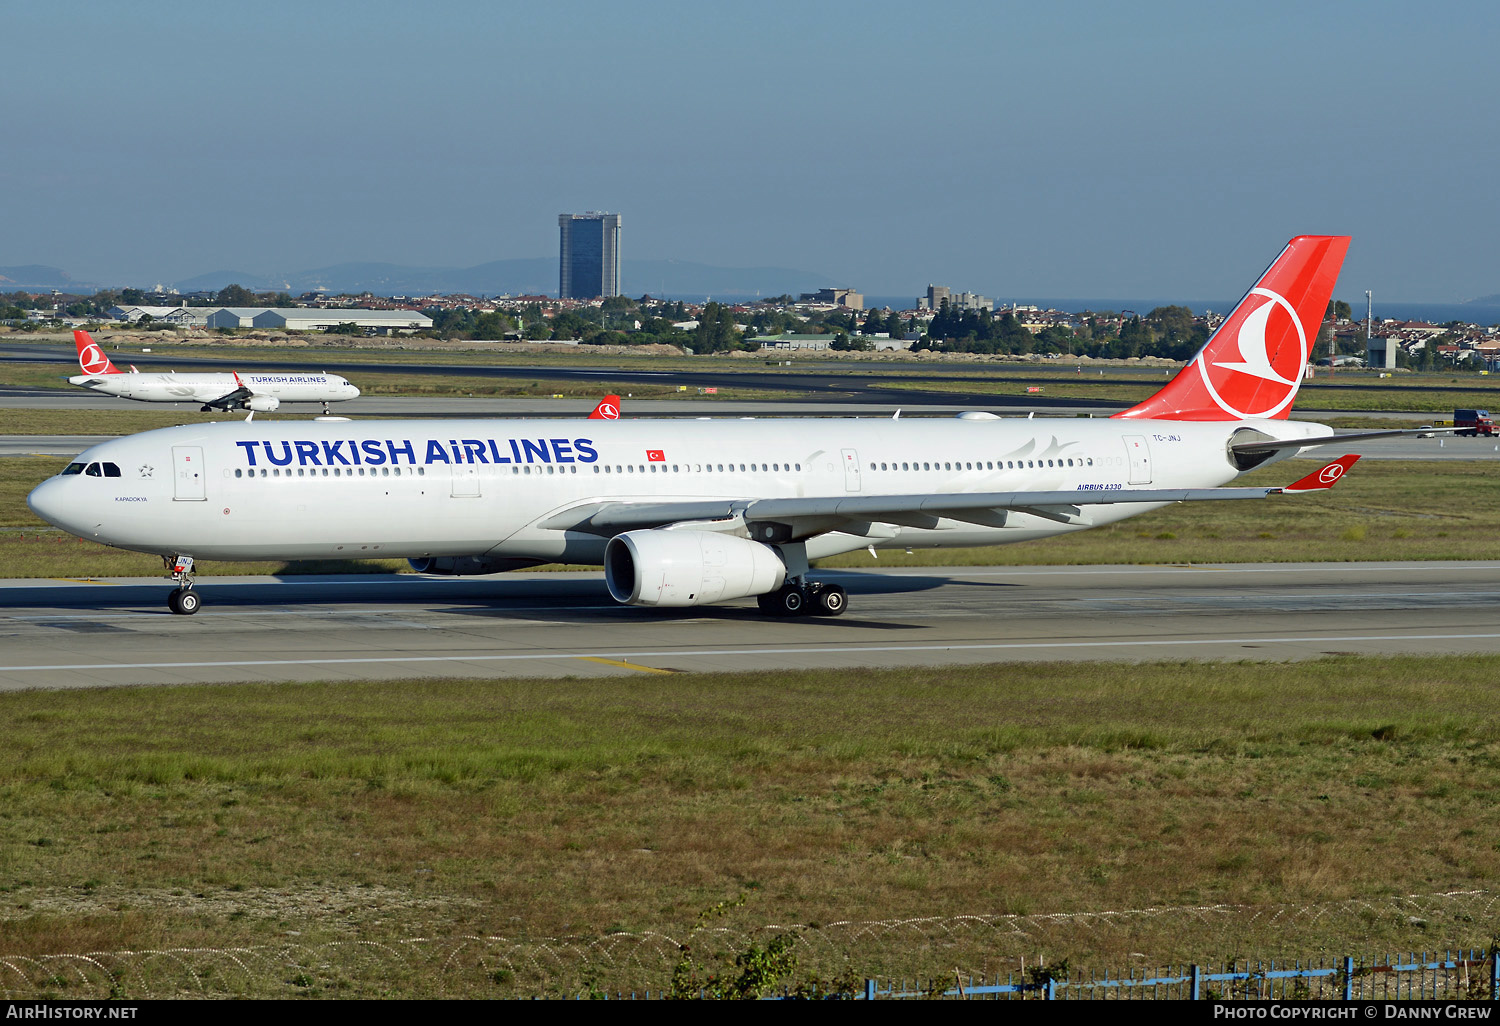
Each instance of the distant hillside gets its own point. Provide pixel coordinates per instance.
(525, 276)
(37, 277)
(1493, 300)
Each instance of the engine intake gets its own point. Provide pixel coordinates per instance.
(263, 403)
(688, 568)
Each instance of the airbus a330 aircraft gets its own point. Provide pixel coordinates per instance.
(258, 393)
(690, 513)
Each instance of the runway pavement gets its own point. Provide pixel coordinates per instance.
(62, 634)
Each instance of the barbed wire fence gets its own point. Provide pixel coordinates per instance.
(980, 946)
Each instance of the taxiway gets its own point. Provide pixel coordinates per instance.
(60, 634)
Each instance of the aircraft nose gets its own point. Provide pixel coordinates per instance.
(47, 501)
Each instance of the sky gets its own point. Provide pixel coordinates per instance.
(1066, 149)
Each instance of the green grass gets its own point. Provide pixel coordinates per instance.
(129, 419)
(205, 817)
(1364, 395)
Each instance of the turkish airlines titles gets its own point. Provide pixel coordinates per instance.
(375, 452)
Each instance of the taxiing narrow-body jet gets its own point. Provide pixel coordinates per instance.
(258, 393)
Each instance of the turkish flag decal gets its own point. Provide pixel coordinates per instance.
(655, 456)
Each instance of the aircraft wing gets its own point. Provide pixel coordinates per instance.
(782, 520)
(231, 400)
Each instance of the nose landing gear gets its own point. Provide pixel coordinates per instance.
(183, 601)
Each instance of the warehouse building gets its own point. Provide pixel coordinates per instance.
(380, 322)
(233, 317)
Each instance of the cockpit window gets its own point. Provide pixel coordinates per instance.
(71, 469)
(94, 471)
(111, 469)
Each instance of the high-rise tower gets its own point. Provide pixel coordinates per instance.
(588, 255)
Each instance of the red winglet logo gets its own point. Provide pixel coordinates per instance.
(1253, 365)
(608, 409)
(655, 456)
(91, 358)
(1323, 477)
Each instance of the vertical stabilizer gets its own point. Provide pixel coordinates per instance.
(608, 409)
(1252, 366)
(91, 359)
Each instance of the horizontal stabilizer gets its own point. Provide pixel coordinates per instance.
(1269, 444)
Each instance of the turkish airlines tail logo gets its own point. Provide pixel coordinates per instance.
(608, 409)
(91, 358)
(1253, 365)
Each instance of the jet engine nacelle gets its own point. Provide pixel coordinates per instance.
(467, 566)
(263, 403)
(688, 568)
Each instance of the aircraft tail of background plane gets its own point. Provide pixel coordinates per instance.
(91, 359)
(1253, 365)
(608, 409)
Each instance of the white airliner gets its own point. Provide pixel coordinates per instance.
(689, 513)
(258, 393)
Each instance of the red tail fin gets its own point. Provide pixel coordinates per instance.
(91, 359)
(608, 409)
(1253, 365)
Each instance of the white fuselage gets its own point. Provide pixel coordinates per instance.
(411, 489)
(205, 387)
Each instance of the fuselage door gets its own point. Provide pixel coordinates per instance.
(188, 478)
(1139, 455)
(465, 481)
(851, 470)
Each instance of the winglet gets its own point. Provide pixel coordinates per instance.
(608, 409)
(91, 359)
(1325, 477)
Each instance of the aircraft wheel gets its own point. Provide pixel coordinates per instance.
(832, 601)
(184, 602)
(791, 601)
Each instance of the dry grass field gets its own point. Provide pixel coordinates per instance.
(213, 817)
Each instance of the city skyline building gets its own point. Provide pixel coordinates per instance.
(588, 255)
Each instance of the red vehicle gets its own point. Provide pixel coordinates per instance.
(1473, 422)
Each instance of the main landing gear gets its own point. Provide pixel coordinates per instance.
(804, 598)
(183, 601)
